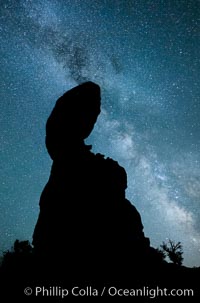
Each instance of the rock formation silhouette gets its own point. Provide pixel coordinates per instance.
(85, 218)
(88, 234)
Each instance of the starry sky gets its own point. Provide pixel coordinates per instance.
(145, 56)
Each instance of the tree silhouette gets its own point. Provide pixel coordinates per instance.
(173, 251)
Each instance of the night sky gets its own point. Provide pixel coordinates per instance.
(145, 55)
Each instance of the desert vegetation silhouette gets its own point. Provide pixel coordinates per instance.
(174, 251)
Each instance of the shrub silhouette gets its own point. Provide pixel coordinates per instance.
(22, 247)
(18, 256)
(173, 251)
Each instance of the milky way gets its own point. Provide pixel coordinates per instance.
(145, 57)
